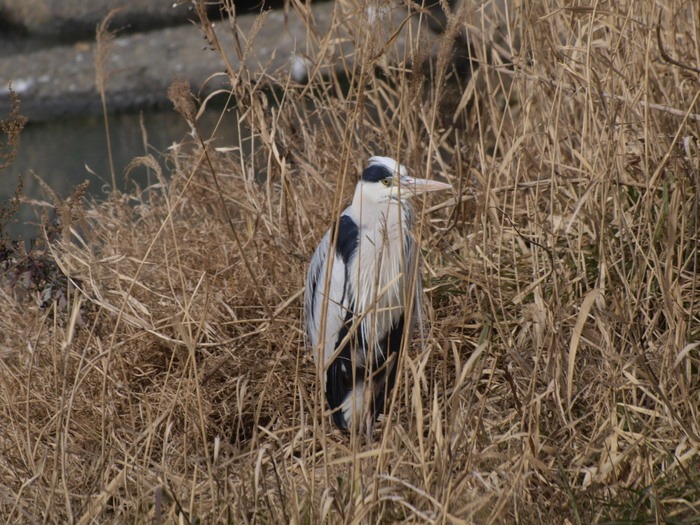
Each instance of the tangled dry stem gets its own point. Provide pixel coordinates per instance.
(559, 377)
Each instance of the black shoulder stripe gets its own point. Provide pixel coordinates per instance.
(348, 237)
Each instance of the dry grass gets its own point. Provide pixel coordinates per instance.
(559, 381)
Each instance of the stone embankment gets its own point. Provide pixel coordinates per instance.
(48, 56)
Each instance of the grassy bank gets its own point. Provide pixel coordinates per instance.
(164, 376)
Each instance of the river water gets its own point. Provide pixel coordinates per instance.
(67, 152)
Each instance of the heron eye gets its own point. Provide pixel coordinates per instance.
(386, 182)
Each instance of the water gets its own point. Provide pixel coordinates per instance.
(64, 153)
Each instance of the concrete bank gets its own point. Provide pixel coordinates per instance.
(59, 81)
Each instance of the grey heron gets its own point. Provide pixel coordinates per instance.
(358, 290)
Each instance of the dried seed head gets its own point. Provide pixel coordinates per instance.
(183, 100)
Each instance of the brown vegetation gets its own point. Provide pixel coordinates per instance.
(559, 381)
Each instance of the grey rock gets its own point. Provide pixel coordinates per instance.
(60, 81)
(73, 19)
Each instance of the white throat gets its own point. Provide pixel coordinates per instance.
(380, 265)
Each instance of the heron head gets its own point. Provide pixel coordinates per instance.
(385, 180)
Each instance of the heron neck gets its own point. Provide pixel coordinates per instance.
(370, 213)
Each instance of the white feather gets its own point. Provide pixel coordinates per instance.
(379, 268)
(375, 285)
(333, 298)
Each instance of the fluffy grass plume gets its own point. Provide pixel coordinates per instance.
(559, 376)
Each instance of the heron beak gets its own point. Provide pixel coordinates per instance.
(423, 185)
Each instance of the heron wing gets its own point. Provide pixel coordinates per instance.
(331, 294)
